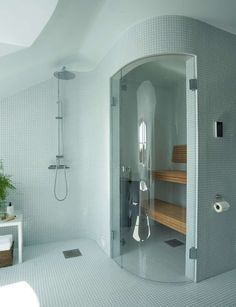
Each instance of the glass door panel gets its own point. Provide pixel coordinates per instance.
(149, 149)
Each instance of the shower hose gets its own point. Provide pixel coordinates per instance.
(55, 182)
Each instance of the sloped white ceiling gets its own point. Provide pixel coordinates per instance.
(60, 40)
(80, 33)
(116, 16)
(22, 21)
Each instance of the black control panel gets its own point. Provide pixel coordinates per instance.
(218, 129)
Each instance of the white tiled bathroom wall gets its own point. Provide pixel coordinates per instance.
(28, 145)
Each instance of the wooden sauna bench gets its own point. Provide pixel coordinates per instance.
(170, 176)
(167, 214)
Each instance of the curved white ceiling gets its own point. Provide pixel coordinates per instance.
(22, 21)
(116, 16)
(80, 33)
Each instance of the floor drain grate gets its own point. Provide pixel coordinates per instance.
(72, 253)
(174, 242)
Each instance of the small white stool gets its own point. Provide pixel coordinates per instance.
(18, 222)
(6, 250)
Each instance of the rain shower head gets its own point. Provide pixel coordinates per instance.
(64, 74)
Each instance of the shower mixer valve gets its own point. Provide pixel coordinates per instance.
(60, 166)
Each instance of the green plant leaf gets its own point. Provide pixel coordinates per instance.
(5, 185)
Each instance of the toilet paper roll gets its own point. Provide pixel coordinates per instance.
(221, 206)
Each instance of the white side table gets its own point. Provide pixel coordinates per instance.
(18, 221)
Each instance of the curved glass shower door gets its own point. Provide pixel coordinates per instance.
(149, 181)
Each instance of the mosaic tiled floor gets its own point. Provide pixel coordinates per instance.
(95, 280)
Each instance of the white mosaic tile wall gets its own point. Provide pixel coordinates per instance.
(28, 145)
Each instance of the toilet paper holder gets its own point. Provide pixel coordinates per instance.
(220, 204)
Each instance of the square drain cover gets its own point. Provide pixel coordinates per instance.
(72, 253)
(174, 242)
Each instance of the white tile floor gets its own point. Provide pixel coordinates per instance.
(95, 280)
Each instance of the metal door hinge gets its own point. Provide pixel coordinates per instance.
(193, 253)
(113, 102)
(113, 234)
(193, 84)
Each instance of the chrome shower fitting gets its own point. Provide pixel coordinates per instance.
(60, 164)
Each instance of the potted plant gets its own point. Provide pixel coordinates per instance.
(5, 186)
